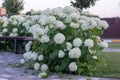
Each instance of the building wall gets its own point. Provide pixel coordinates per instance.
(113, 32)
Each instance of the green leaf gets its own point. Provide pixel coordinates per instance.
(53, 55)
(63, 46)
(64, 64)
(80, 70)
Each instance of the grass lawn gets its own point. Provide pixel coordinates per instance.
(111, 68)
(114, 45)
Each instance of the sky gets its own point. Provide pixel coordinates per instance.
(102, 8)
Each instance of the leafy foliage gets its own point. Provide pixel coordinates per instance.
(13, 7)
(81, 4)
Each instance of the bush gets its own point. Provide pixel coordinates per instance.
(65, 41)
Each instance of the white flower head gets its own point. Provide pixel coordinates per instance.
(41, 57)
(89, 43)
(14, 30)
(1, 35)
(28, 46)
(56, 11)
(27, 55)
(77, 42)
(74, 53)
(22, 61)
(34, 56)
(85, 26)
(59, 38)
(36, 66)
(75, 15)
(70, 9)
(44, 67)
(73, 66)
(94, 57)
(5, 24)
(42, 75)
(103, 24)
(13, 34)
(60, 25)
(103, 44)
(61, 54)
(44, 39)
(5, 30)
(43, 19)
(14, 23)
(74, 25)
(51, 19)
(69, 46)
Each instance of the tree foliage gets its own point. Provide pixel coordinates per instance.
(81, 4)
(13, 7)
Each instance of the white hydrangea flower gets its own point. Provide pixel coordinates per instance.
(103, 44)
(83, 17)
(33, 28)
(14, 23)
(22, 61)
(5, 24)
(75, 15)
(27, 55)
(20, 19)
(14, 30)
(70, 9)
(51, 19)
(69, 46)
(89, 43)
(74, 53)
(68, 19)
(5, 30)
(44, 39)
(44, 67)
(41, 31)
(41, 57)
(92, 23)
(36, 66)
(46, 29)
(43, 20)
(42, 75)
(60, 25)
(103, 24)
(62, 15)
(56, 11)
(94, 57)
(28, 46)
(77, 42)
(34, 56)
(74, 25)
(1, 35)
(13, 34)
(85, 26)
(61, 54)
(92, 51)
(35, 36)
(73, 66)
(80, 22)
(59, 38)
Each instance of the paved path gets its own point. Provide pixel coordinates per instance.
(111, 50)
(7, 72)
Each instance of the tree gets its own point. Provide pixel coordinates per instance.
(13, 7)
(81, 4)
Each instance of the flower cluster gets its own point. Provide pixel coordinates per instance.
(64, 40)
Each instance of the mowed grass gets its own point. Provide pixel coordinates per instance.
(111, 67)
(114, 45)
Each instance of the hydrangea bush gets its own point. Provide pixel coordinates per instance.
(64, 40)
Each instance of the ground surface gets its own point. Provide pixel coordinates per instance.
(7, 72)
